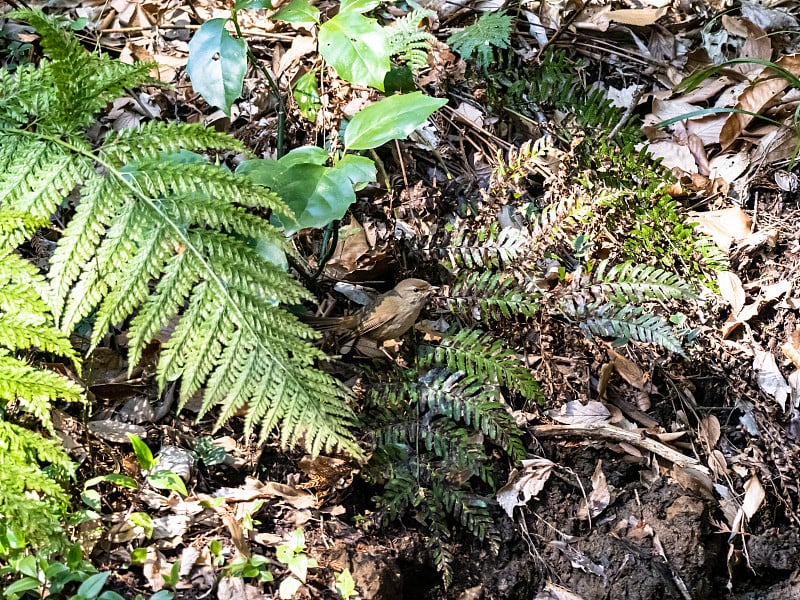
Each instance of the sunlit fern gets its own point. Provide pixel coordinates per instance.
(165, 240)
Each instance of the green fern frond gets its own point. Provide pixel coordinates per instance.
(85, 83)
(629, 282)
(167, 239)
(459, 447)
(481, 355)
(485, 296)
(491, 30)
(624, 324)
(559, 216)
(32, 501)
(473, 402)
(408, 42)
(490, 247)
(156, 139)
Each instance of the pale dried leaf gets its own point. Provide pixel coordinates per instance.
(731, 290)
(724, 226)
(154, 564)
(554, 591)
(710, 430)
(769, 377)
(729, 166)
(578, 559)
(754, 495)
(576, 413)
(757, 97)
(628, 370)
(115, 431)
(717, 463)
(600, 496)
(524, 484)
(640, 17)
(768, 19)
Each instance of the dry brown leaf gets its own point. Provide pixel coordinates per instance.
(524, 484)
(710, 430)
(724, 226)
(636, 16)
(717, 463)
(769, 377)
(554, 591)
(757, 97)
(729, 166)
(731, 290)
(791, 349)
(600, 496)
(753, 496)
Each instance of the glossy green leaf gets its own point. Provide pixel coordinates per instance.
(248, 4)
(357, 48)
(217, 64)
(142, 452)
(317, 194)
(358, 6)
(167, 480)
(306, 94)
(22, 585)
(392, 118)
(297, 11)
(92, 587)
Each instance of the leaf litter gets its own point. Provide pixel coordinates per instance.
(707, 438)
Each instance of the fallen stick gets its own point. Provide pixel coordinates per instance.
(634, 438)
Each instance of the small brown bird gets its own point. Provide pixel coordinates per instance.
(387, 318)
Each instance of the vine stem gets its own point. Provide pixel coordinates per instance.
(272, 85)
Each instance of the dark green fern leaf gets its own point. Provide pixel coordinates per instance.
(484, 357)
(485, 296)
(627, 323)
(490, 247)
(629, 282)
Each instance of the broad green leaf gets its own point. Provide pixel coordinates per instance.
(115, 478)
(167, 480)
(142, 452)
(357, 6)
(247, 4)
(392, 118)
(345, 584)
(297, 11)
(359, 170)
(92, 587)
(356, 47)
(317, 194)
(217, 64)
(22, 585)
(306, 94)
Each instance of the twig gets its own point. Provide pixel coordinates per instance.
(621, 435)
(628, 112)
(560, 31)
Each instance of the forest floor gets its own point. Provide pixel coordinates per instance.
(679, 476)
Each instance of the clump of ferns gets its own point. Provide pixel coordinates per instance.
(440, 429)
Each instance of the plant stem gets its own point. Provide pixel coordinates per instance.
(279, 150)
